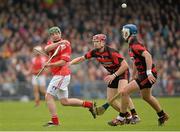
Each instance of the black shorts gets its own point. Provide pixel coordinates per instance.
(143, 81)
(115, 82)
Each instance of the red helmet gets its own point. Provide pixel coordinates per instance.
(99, 37)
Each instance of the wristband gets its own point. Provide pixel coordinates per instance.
(114, 74)
(148, 72)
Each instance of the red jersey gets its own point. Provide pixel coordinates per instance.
(135, 52)
(37, 63)
(64, 53)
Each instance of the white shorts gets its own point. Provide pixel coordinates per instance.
(40, 81)
(58, 86)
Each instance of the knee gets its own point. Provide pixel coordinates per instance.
(64, 101)
(124, 92)
(48, 96)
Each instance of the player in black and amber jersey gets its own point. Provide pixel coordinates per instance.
(144, 74)
(117, 67)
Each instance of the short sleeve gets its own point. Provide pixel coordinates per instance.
(138, 49)
(90, 54)
(118, 58)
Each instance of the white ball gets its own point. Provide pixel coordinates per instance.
(124, 5)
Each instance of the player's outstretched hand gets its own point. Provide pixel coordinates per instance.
(68, 64)
(151, 78)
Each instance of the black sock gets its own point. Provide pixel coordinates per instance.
(122, 114)
(161, 113)
(133, 112)
(105, 106)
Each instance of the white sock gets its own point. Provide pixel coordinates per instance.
(120, 118)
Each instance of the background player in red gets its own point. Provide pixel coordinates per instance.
(58, 86)
(144, 73)
(117, 67)
(39, 84)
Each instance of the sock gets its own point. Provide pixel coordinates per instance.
(161, 113)
(105, 106)
(55, 120)
(128, 115)
(87, 104)
(122, 114)
(133, 112)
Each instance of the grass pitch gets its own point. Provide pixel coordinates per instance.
(19, 116)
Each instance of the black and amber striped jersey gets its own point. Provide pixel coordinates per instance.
(111, 59)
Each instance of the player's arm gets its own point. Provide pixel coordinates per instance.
(134, 72)
(148, 59)
(57, 64)
(77, 60)
(64, 59)
(124, 66)
(52, 46)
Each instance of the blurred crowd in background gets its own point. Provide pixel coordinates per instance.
(24, 24)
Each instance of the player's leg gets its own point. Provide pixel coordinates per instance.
(112, 99)
(145, 87)
(35, 90)
(36, 95)
(151, 100)
(52, 109)
(78, 103)
(123, 83)
(147, 96)
(42, 84)
(75, 102)
(125, 92)
(112, 96)
(50, 94)
(111, 92)
(135, 118)
(64, 100)
(42, 89)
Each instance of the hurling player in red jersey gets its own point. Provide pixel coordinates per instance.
(39, 84)
(58, 86)
(144, 74)
(117, 67)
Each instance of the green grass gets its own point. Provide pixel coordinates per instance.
(21, 116)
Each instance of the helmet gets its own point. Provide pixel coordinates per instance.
(54, 30)
(128, 30)
(99, 37)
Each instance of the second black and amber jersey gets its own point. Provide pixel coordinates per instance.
(135, 51)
